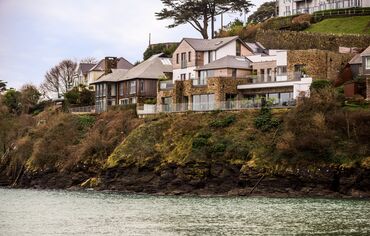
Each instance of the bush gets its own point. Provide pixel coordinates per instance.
(264, 121)
(223, 122)
(319, 85)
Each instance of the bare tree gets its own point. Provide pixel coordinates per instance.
(59, 79)
(89, 60)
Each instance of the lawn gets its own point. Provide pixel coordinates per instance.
(344, 25)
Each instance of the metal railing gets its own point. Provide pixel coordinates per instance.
(328, 6)
(199, 82)
(166, 85)
(86, 109)
(271, 78)
(222, 106)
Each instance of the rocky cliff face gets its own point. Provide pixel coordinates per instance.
(299, 152)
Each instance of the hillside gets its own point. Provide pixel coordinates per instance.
(344, 25)
(318, 148)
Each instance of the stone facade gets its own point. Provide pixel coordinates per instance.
(319, 64)
(219, 86)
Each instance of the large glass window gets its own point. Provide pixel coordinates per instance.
(121, 89)
(133, 87)
(113, 90)
(203, 102)
(367, 59)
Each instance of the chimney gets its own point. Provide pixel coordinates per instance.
(110, 63)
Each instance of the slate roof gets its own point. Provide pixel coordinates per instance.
(121, 64)
(152, 68)
(85, 67)
(357, 59)
(115, 76)
(228, 62)
(209, 44)
(366, 52)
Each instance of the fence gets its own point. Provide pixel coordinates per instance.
(213, 106)
(86, 109)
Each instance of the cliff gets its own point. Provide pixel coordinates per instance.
(316, 149)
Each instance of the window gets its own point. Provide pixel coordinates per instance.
(133, 100)
(210, 56)
(142, 86)
(177, 58)
(281, 70)
(183, 60)
(124, 101)
(104, 89)
(238, 48)
(234, 73)
(133, 87)
(113, 90)
(203, 102)
(121, 89)
(189, 75)
(367, 60)
(189, 56)
(183, 77)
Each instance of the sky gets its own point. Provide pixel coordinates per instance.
(37, 34)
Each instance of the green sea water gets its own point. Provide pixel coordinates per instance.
(36, 212)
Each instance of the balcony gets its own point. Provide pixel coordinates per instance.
(199, 82)
(272, 78)
(166, 85)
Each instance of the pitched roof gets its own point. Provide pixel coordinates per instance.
(85, 67)
(256, 47)
(152, 68)
(121, 64)
(209, 44)
(357, 59)
(115, 76)
(366, 52)
(124, 64)
(235, 62)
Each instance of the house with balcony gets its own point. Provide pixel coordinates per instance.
(294, 7)
(133, 86)
(193, 82)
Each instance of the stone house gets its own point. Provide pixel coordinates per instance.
(202, 83)
(360, 68)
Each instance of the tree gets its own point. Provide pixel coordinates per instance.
(89, 60)
(59, 78)
(29, 97)
(264, 12)
(12, 100)
(2, 86)
(167, 49)
(199, 13)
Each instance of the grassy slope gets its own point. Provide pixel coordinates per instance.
(345, 25)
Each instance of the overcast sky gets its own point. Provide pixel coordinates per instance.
(37, 34)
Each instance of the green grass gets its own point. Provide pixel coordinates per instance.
(344, 25)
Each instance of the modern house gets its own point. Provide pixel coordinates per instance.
(225, 71)
(133, 86)
(293, 7)
(104, 67)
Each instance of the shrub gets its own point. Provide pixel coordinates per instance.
(201, 140)
(223, 122)
(264, 121)
(319, 85)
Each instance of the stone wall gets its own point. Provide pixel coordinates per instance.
(219, 86)
(319, 64)
(293, 40)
